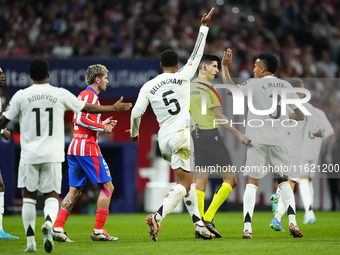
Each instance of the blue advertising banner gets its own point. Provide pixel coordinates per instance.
(125, 76)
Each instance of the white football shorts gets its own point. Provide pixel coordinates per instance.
(175, 149)
(263, 159)
(309, 168)
(44, 177)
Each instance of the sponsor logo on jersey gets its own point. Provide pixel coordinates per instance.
(80, 136)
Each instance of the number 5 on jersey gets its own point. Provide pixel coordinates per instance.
(173, 100)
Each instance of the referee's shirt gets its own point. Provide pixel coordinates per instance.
(199, 87)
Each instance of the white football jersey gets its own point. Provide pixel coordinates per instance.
(267, 129)
(41, 109)
(311, 144)
(297, 133)
(169, 94)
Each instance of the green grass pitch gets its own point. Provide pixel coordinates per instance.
(177, 236)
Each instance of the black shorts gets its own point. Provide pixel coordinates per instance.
(209, 149)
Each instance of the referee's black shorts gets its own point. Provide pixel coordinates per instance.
(209, 149)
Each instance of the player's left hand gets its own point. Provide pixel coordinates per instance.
(135, 139)
(227, 58)
(122, 107)
(6, 134)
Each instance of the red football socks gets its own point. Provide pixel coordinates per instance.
(61, 219)
(101, 217)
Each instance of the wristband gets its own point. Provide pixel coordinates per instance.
(1, 131)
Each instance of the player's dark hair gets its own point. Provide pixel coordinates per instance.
(207, 59)
(169, 58)
(296, 82)
(269, 61)
(38, 69)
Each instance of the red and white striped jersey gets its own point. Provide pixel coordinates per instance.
(86, 128)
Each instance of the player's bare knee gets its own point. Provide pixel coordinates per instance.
(107, 188)
(201, 184)
(231, 181)
(2, 186)
(111, 189)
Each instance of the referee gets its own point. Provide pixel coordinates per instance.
(210, 151)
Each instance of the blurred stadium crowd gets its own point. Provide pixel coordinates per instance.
(304, 35)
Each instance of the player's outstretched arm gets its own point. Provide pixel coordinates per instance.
(226, 60)
(120, 106)
(191, 66)
(117, 107)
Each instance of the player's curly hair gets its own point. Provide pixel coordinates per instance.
(169, 58)
(270, 61)
(93, 72)
(38, 69)
(207, 59)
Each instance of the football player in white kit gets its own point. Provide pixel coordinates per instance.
(6, 135)
(294, 144)
(41, 109)
(269, 139)
(310, 157)
(169, 94)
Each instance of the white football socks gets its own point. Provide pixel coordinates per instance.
(190, 201)
(280, 211)
(249, 198)
(170, 201)
(305, 194)
(28, 218)
(51, 210)
(311, 189)
(288, 200)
